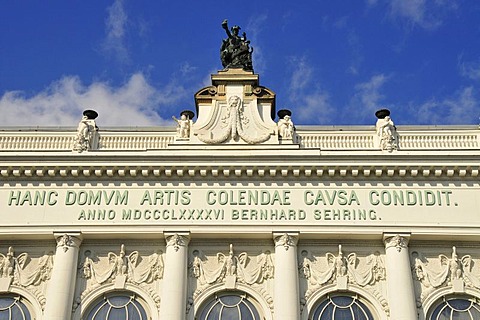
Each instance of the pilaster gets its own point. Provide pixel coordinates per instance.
(174, 291)
(61, 287)
(286, 300)
(401, 294)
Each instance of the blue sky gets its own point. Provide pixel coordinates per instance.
(331, 62)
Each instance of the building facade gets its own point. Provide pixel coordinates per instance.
(237, 215)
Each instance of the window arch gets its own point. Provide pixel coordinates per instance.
(341, 307)
(456, 308)
(14, 307)
(117, 306)
(234, 305)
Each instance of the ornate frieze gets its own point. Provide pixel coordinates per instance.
(449, 270)
(26, 271)
(122, 265)
(342, 270)
(242, 267)
(337, 265)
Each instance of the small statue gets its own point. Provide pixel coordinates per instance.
(386, 130)
(184, 123)
(7, 263)
(196, 265)
(305, 266)
(235, 51)
(87, 132)
(340, 266)
(285, 124)
(231, 263)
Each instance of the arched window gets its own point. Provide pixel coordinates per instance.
(12, 307)
(341, 307)
(118, 306)
(456, 308)
(230, 305)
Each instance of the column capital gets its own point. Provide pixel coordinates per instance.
(398, 241)
(67, 240)
(285, 239)
(177, 239)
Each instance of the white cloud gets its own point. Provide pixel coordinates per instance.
(311, 103)
(301, 75)
(115, 29)
(367, 97)
(470, 69)
(255, 26)
(426, 14)
(462, 107)
(135, 103)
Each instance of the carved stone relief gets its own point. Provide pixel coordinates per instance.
(366, 271)
(449, 270)
(125, 265)
(118, 269)
(286, 240)
(237, 120)
(230, 269)
(26, 271)
(397, 241)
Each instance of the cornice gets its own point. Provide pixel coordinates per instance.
(293, 171)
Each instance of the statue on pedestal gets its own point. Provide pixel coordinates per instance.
(386, 130)
(184, 124)
(236, 51)
(87, 132)
(285, 124)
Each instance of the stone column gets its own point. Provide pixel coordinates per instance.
(401, 294)
(61, 287)
(286, 300)
(174, 291)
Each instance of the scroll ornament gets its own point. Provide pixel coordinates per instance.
(245, 269)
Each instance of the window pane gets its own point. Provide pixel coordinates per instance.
(342, 308)
(122, 306)
(230, 306)
(11, 307)
(456, 309)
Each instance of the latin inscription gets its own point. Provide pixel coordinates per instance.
(209, 205)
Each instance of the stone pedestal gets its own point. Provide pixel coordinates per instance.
(286, 300)
(61, 286)
(174, 292)
(235, 109)
(401, 294)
